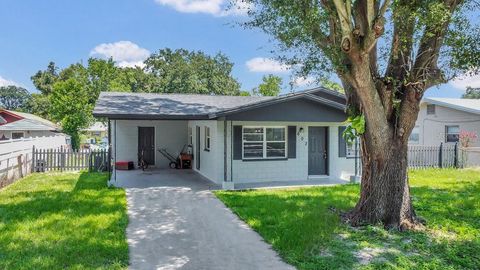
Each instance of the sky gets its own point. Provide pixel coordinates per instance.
(33, 33)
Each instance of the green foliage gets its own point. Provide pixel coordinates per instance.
(309, 33)
(332, 85)
(63, 221)
(271, 86)
(472, 93)
(183, 71)
(69, 95)
(355, 127)
(71, 104)
(44, 79)
(245, 93)
(39, 104)
(13, 97)
(304, 226)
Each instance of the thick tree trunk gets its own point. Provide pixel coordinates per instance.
(385, 193)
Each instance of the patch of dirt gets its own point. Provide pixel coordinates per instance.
(368, 254)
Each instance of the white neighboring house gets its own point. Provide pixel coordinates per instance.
(440, 120)
(17, 125)
(235, 139)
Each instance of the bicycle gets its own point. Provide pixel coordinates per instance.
(142, 163)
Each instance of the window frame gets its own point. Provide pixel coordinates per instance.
(265, 142)
(356, 154)
(190, 135)
(207, 139)
(431, 111)
(17, 132)
(414, 142)
(446, 133)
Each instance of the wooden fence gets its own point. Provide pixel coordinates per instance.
(425, 156)
(70, 160)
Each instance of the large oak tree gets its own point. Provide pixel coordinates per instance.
(386, 54)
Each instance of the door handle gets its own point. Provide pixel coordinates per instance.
(325, 154)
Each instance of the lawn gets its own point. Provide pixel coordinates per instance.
(304, 227)
(63, 221)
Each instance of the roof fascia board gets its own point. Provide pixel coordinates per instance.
(150, 116)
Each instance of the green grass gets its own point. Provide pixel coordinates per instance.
(63, 221)
(301, 226)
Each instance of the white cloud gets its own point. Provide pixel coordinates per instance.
(303, 81)
(260, 64)
(5, 82)
(213, 7)
(461, 83)
(124, 53)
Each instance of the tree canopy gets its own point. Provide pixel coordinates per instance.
(387, 53)
(271, 86)
(183, 71)
(13, 97)
(472, 93)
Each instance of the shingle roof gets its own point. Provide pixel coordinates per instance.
(182, 106)
(29, 122)
(466, 105)
(26, 124)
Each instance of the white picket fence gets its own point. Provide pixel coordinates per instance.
(16, 155)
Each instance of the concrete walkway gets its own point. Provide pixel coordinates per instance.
(175, 222)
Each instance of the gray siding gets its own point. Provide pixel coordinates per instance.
(298, 110)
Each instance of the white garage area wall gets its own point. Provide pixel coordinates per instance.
(169, 134)
(293, 169)
(211, 162)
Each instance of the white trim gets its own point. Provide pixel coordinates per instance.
(264, 142)
(207, 137)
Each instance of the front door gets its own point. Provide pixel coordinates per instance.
(197, 147)
(317, 151)
(146, 142)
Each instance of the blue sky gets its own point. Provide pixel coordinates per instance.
(35, 32)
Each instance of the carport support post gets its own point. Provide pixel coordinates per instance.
(227, 185)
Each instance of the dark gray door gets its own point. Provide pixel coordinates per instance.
(197, 147)
(146, 142)
(317, 151)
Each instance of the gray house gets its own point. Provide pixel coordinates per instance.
(235, 139)
(441, 120)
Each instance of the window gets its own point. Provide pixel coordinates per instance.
(264, 142)
(430, 109)
(190, 136)
(207, 138)
(452, 133)
(352, 149)
(17, 135)
(415, 135)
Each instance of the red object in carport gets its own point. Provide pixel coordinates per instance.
(124, 165)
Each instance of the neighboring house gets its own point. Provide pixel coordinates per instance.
(235, 139)
(16, 125)
(98, 129)
(440, 120)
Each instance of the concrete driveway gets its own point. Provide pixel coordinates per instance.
(175, 222)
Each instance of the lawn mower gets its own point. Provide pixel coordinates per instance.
(184, 159)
